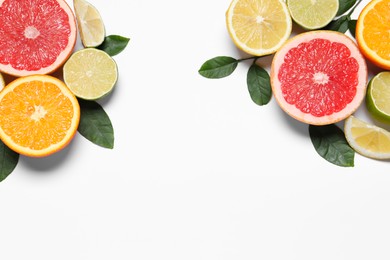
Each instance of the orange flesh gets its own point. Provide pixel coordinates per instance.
(377, 29)
(36, 114)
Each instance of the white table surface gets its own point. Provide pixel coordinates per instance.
(198, 170)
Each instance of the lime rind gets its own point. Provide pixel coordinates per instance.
(378, 94)
(312, 15)
(90, 74)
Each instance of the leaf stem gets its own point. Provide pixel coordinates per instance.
(353, 8)
(249, 58)
(255, 58)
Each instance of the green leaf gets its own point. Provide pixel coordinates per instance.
(352, 27)
(340, 24)
(114, 44)
(345, 5)
(331, 144)
(218, 67)
(8, 161)
(259, 85)
(95, 125)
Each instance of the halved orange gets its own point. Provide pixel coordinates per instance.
(373, 32)
(39, 115)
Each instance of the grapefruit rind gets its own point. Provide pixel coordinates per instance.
(60, 59)
(284, 20)
(2, 82)
(367, 139)
(53, 148)
(369, 52)
(291, 109)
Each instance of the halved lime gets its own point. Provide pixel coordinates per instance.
(378, 97)
(313, 14)
(90, 73)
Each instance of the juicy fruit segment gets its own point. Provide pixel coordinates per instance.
(38, 115)
(319, 77)
(258, 27)
(90, 73)
(37, 36)
(90, 23)
(378, 96)
(372, 32)
(313, 14)
(367, 139)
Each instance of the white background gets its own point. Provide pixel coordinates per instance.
(198, 170)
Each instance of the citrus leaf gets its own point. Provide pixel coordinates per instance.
(352, 27)
(340, 24)
(95, 125)
(259, 85)
(331, 144)
(8, 161)
(114, 44)
(218, 67)
(345, 5)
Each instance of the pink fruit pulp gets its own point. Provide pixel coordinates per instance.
(319, 77)
(37, 36)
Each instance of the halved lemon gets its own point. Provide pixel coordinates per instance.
(258, 27)
(90, 23)
(367, 139)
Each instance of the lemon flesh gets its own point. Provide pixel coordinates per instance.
(378, 97)
(313, 14)
(258, 27)
(367, 139)
(90, 23)
(90, 73)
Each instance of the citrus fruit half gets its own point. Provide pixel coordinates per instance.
(90, 73)
(39, 115)
(319, 77)
(378, 97)
(372, 32)
(37, 36)
(258, 27)
(367, 139)
(311, 14)
(90, 23)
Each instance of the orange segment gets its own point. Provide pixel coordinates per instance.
(39, 115)
(373, 32)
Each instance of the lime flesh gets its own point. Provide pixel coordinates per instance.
(378, 97)
(313, 14)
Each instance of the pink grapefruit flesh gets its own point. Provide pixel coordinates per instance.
(37, 36)
(319, 77)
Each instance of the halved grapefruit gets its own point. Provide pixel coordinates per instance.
(37, 36)
(319, 77)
